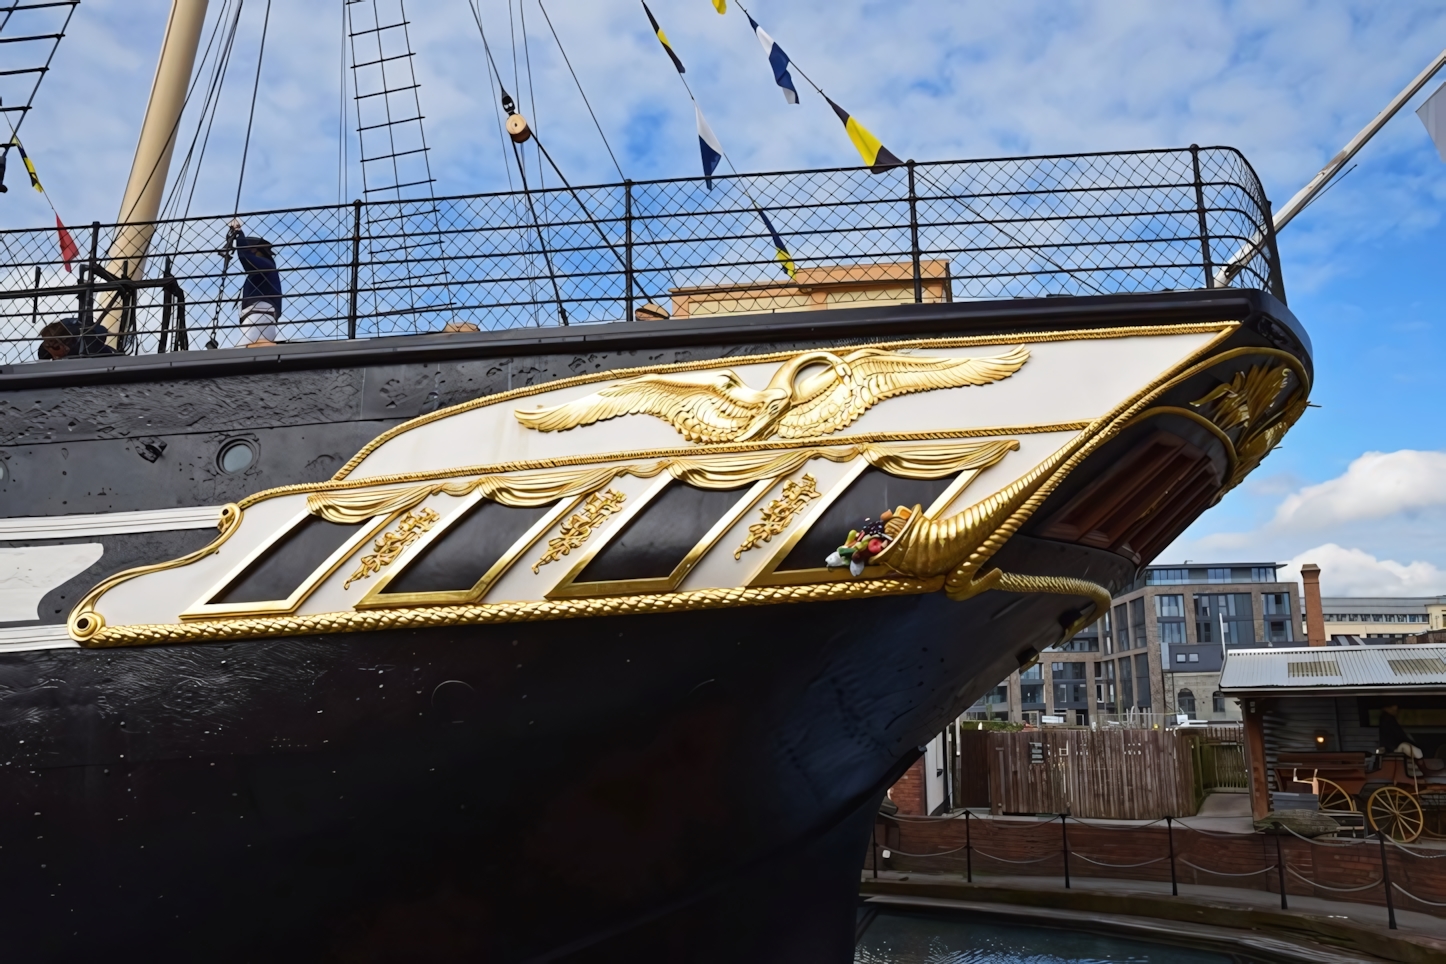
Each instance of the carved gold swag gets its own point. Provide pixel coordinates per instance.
(798, 402)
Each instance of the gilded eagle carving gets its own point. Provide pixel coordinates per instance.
(814, 394)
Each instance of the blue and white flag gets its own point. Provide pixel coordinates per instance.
(778, 60)
(708, 144)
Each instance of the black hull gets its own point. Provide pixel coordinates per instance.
(686, 786)
(628, 786)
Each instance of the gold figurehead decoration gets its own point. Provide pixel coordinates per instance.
(718, 407)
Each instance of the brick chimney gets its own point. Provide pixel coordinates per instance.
(1314, 618)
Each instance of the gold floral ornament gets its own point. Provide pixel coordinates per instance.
(386, 549)
(813, 394)
(575, 530)
(779, 513)
(1248, 402)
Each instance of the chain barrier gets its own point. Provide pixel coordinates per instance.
(1221, 873)
(1339, 890)
(1423, 900)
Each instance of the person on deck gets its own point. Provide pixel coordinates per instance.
(261, 295)
(62, 339)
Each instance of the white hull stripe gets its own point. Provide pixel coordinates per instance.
(109, 523)
(17, 639)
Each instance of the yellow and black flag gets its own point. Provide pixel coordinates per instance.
(663, 39)
(29, 164)
(780, 250)
(878, 157)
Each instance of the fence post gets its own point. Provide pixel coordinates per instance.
(356, 207)
(1064, 833)
(1170, 833)
(1280, 869)
(35, 303)
(1200, 213)
(1277, 282)
(166, 299)
(914, 236)
(968, 850)
(628, 266)
(1386, 880)
(87, 316)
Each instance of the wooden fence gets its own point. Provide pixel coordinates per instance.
(1121, 774)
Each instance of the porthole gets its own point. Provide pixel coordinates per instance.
(236, 456)
(4, 472)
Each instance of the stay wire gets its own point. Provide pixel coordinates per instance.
(255, 87)
(578, 82)
(124, 215)
(208, 109)
(502, 135)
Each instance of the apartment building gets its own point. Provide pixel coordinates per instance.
(1158, 650)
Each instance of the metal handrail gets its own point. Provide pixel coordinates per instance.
(1081, 224)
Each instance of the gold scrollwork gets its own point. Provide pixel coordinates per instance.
(778, 513)
(583, 523)
(1247, 402)
(386, 549)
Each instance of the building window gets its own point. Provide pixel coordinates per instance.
(1031, 694)
(1262, 574)
(1217, 575)
(1217, 701)
(1137, 624)
(1167, 577)
(1231, 611)
(1034, 672)
(1142, 681)
(1170, 617)
(1127, 689)
(1179, 657)
(1185, 700)
(1194, 657)
(1122, 627)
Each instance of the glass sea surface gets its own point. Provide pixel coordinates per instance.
(907, 938)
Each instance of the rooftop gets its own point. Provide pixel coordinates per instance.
(1420, 668)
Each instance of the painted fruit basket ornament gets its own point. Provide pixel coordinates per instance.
(867, 541)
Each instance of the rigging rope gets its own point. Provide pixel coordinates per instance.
(578, 82)
(208, 110)
(255, 87)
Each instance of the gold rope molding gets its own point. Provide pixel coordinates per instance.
(90, 630)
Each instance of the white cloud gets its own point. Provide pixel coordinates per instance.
(1375, 486)
(1352, 572)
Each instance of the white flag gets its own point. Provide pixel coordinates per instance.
(1433, 115)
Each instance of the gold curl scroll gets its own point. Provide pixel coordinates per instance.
(1003, 581)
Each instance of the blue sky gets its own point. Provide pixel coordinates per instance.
(1360, 484)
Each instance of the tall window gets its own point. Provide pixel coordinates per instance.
(1185, 701)
(1122, 626)
(1277, 617)
(1105, 686)
(1170, 618)
(1142, 681)
(1031, 694)
(1232, 611)
(1137, 623)
(1217, 701)
(1127, 689)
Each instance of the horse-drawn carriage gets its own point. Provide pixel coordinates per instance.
(1399, 796)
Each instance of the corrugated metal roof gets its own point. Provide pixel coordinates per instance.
(1321, 668)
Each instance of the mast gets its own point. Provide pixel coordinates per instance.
(152, 165)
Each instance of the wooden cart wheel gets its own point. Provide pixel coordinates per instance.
(1334, 797)
(1396, 813)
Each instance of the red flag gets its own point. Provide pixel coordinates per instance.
(68, 250)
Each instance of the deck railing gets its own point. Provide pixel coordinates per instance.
(1079, 224)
